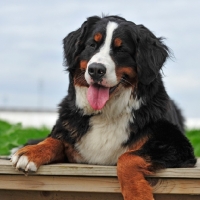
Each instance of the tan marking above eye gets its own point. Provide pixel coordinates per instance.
(83, 64)
(117, 42)
(98, 37)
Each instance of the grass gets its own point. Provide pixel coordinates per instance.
(194, 137)
(13, 135)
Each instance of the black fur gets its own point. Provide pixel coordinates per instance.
(167, 147)
(158, 118)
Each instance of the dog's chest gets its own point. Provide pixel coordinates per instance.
(103, 143)
(109, 130)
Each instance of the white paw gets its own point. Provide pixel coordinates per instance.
(22, 163)
(14, 159)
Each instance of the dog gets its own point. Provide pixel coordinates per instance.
(117, 111)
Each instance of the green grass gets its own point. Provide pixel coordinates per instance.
(13, 135)
(194, 137)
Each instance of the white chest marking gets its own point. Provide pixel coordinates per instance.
(102, 144)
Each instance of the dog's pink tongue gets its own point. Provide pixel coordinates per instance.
(97, 96)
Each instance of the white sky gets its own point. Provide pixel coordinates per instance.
(31, 32)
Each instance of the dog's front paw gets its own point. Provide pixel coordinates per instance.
(31, 157)
(27, 159)
(23, 163)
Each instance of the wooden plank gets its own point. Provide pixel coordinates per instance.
(60, 183)
(98, 170)
(94, 184)
(175, 185)
(44, 195)
(72, 180)
(63, 169)
(176, 197)
(48, 195)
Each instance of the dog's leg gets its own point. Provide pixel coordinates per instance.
(31, 157)
(131, 170)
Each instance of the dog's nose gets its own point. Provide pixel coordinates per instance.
(96, 71)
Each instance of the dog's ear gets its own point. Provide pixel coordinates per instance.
(151, 55)
(74, 42)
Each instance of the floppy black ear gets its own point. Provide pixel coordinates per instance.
(151, 55)
(74, 42)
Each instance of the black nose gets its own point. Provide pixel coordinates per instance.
(96, 71)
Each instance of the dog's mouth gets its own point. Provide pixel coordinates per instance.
(98, 95)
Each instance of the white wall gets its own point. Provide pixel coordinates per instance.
(36, 119)
(48, 119)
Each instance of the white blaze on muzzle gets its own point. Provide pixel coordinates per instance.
(98, 95)
(103, 57)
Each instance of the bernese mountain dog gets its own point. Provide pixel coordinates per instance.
(117, 111)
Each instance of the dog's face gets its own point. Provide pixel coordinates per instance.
(109, 54)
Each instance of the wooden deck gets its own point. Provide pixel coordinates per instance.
(87, 182)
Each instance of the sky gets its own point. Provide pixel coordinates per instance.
(32, 74)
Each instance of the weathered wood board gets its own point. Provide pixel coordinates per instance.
(81, 182)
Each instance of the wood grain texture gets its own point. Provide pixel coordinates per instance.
(176, 197)
(47, 195)
(94, 184)
(98, 170)
(81, 182)
(44, 195)
(60, 183)
(64, 169)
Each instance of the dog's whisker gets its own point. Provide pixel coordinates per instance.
(124, 80)
(80, 77)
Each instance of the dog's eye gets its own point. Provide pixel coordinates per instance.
(120, 49)
(92, 45)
